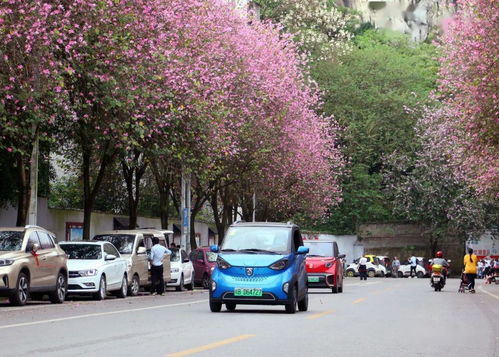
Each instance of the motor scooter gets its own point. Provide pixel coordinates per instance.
(437, 279)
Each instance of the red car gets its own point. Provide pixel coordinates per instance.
(324, 265)
(203, 261)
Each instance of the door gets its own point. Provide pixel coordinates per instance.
(37, 274)
(113, 267)
(199, 263)
(49, 259)
(140, 261)
(300, 261)
(186, 266)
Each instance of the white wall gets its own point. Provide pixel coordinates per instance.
(55, 221)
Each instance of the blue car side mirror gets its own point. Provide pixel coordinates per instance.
(302, 250)
(215, 248)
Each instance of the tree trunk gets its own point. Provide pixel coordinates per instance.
(163, 184)
(133, 175)
(24, 191)
(89, 192)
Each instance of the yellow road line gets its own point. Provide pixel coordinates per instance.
(320, 314)
(489, 293)
(210, 346)
(358, 300)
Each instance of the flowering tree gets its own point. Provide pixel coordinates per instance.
(321, 28)
(429, 188)
(27, 84)
(469, 86)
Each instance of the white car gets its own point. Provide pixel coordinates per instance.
(372, 270)
(182, 271)
(95, 268)
(405, 270)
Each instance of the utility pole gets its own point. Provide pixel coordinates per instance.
(254, 206)
(33, 179)
(185, 211)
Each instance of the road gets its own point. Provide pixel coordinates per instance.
(379, 317)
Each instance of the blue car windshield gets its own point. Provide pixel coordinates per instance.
(257, 239)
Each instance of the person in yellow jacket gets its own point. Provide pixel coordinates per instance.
(470, 268)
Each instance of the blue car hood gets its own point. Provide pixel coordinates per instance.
(253, 260)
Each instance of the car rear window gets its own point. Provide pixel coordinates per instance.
(211, 256)
(320, 249)
(11, 240)
(122, 242)
(82, 251)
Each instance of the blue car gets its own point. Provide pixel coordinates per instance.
(260, 264)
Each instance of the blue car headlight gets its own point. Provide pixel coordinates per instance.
(279, 265)
(222, 264)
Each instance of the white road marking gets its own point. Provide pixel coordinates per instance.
(102, 314)
(488, 293)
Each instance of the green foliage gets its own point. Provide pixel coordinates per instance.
(376, 94)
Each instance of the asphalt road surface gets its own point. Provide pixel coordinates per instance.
(379, 317)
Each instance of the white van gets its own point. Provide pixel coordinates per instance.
(134, 246)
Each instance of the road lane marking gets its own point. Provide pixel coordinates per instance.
(101, 314)
(488, 293)
(358, 300)
(210, 346)
(320, 314)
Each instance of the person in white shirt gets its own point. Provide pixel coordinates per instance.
(363, 268)
(395, 267)
(414, 263)
(156, 257)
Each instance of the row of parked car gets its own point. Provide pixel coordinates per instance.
(32, 264)
(380, 266)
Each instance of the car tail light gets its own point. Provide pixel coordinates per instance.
(222, 264)
(279, 265)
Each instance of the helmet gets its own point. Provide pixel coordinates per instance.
(440, 254)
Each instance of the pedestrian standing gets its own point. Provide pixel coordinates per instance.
(363, 268)
(395, 267)
(156, 257)
(414, 263)
(470, 268)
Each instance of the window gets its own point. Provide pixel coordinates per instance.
(33, 239)
(124, 242)
(297, 240)
(11, 240)
(45, 241)
(110, 249)
(193, 255)
(82, 251)
(184, 255)
(200, 255)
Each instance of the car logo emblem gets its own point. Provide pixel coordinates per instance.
(249, 271)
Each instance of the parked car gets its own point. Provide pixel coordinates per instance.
(31, 265)
(324, 265)
(387, 263)
(405, 270)
(95, 268)
(353, 269)
(204, 261)
(260, 263)
(182, 271)
(133, 245)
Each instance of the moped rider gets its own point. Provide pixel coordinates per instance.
(441, 261)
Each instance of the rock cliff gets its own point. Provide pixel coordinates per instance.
(416, 18)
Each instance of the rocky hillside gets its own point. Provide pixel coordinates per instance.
(416, 18)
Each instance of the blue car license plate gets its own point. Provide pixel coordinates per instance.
(248, 292)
